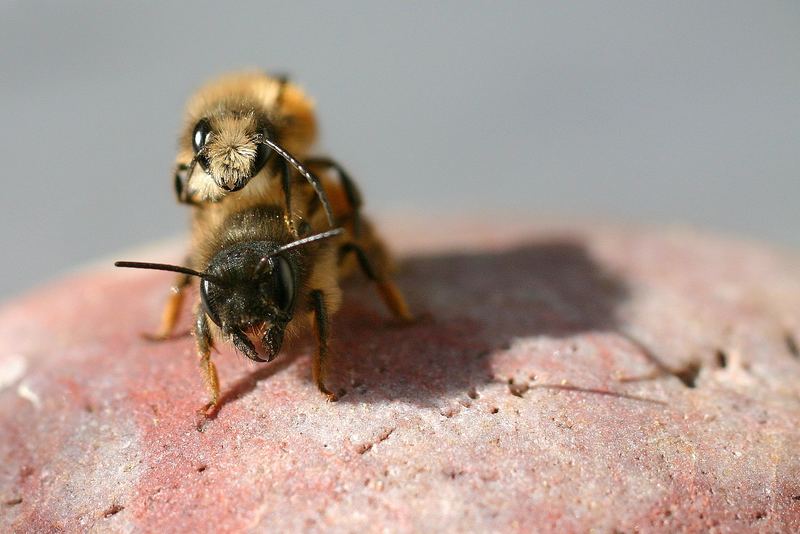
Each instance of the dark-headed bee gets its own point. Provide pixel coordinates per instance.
(258, 282)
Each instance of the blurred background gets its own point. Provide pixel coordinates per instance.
(659, 112)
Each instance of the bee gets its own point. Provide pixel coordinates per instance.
(246, 129)
(244, 135)
(259, 282)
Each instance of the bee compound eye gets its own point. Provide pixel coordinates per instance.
(206, 300)
(263, 153)
(200, 135)
(285, 289)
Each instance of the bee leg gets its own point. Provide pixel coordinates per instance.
(181, 182)
(172, 309)
(321, 323)
(351, 191)
(286, 181)
(387, 289)
(204, 342)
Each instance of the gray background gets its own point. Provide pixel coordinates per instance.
(653, 111)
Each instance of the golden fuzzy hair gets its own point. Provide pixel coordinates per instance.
(237, 108)
(254, 93)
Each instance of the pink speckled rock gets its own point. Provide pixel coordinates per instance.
(563, 377)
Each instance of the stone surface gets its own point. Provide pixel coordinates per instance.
(563, 377)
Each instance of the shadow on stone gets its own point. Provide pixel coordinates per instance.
(471, 306)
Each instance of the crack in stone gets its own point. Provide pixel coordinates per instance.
(383, 436)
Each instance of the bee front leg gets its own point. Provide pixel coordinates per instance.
(204, 342)
(172, 309)
(388, 290)
(319, 365)
(181, 183)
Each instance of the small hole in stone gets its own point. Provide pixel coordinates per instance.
(796, 498)
(722, 359)
(202, 468)
(761, 515)
(13, 502)
(494, 410)
(113, 510)
(791, 345)
(472, 393)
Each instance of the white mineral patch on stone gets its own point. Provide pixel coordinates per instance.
(12, 368)
(24, 391)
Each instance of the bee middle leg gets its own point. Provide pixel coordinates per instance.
(388, 290)
(286, 183)
(319, 366)
(351, 192)
(207, 368)
(172, 309)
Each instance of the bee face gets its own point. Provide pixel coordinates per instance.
(229, 147)
(250, 295)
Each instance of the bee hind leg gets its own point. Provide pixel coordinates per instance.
(388, 290)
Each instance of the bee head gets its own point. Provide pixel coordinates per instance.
(250, 293)
(234, 134)
(229, 147)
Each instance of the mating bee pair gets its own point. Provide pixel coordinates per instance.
(264, 245)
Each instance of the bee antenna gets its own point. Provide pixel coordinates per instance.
(309, 239)
(294, 244)
(312, 179)
(167, 267)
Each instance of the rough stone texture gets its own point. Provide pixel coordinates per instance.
(563, 377)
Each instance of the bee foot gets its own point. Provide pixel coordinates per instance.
(158, 337)
(209, 409)
(409, 319)
(155, 338)
(330, 396)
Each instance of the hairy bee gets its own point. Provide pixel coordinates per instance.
(246, 129)
(228, 122)
(266, 267)
(258, 281)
